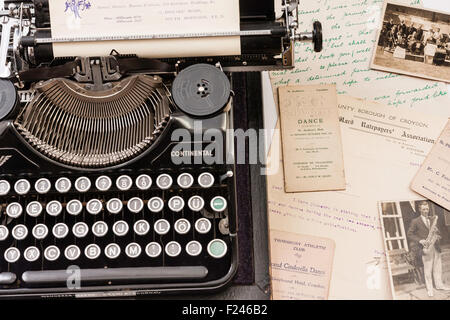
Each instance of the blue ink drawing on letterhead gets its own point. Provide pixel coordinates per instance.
(76, 6)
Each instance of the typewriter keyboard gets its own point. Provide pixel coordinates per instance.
(118, 229)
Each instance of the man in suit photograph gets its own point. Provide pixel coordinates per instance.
(424, 235)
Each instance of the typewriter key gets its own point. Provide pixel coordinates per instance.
(185, 180)
(133, 250)
(83, 184)
(19, 232)
(201, 90)
(114, 206)
(112, 251)
(60, 230)
(4, 187)
(120, 228)
(203, 226)
(135, 205)
(155, 204)
(63, 185)
(162, 227)
(80, 230)
(196, 203)
(92, 251)
(206, 180)
(144, 182)
(153, 249)
(31, 254)
(4, 232)
(124, 183)
(194, 248)
(74, 207)
(176, 204)
(42, 186)
(52, 253)
(173, 249)
(34, 209)
(103, 183)
(40, 231)
(94, 206)
(72, 252)
(182, 226)
(22, 187)
(12, 255)
(164, 181)
(141, 227)
(14, 210)
(100, 229)
(54, 208)
(217, 248)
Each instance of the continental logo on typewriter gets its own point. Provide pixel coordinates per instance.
(192, 153)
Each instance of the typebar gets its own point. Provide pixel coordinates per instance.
(151, 273)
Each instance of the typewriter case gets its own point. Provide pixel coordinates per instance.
(115, 117)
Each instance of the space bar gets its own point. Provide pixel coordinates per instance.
(117, 274)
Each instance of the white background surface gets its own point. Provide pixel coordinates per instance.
(270, 115)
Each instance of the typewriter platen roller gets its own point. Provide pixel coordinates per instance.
(95, 181)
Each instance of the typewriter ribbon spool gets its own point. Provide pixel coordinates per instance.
(201, 90)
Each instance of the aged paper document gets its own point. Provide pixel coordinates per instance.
(383, 149)
(300, 266)
(118, 18)
(311, 138)
(433, 179)
(350, 28)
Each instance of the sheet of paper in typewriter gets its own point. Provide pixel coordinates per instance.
(383, 149)
(117, 18)
(350, 31)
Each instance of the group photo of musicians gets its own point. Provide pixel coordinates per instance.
(414, 41)
(417, 239)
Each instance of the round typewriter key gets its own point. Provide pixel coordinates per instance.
(22, 187)
(144, 182)
(135, 205)
(92, 251)
(182, 226)
(162, 227)
(94, 206)
(133, 250)
(120, 228)
(83, 184)
(52, 253)
(40, 231)
(206, 180)
(194, 248)
(31, 254)
(12, 255)
(34, 209)
(155, 204)
(4, 232)
(43, 186)
(217, 248)
(72, 253)
(54, 208)
(185, 180)
(19, 232)
(173, 249)
(103, 183)
(196, 203)
(153, 249)
(176, 204)
(219, 204)
(74, 207)
(14, 210)
(141, 227)
(124, 183)
(112, 251)
(100, 229)
(4, 187)
(63, 185)
(164, 181)
(114, 206)
(60, 230)
(203, 226)
(80, 230)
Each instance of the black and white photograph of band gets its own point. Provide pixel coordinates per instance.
(416, 235)
(413, 41)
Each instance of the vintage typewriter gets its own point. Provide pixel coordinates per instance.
(95, 194)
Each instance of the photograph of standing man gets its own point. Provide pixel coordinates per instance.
(424, 235)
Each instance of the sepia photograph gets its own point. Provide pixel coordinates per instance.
(413, 41)
(417, 241)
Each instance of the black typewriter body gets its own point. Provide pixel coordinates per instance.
(101, 194)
